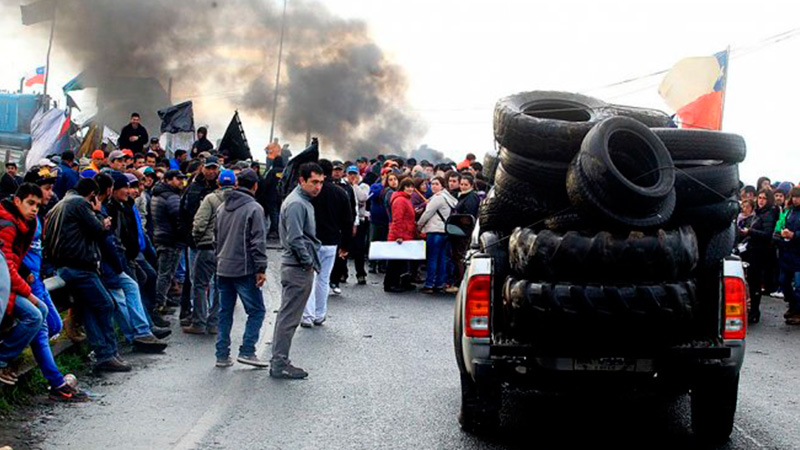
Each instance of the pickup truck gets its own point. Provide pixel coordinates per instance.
(703, 360)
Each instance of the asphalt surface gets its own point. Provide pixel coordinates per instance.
(383, 375)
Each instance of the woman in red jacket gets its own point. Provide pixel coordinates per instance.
(403, 227)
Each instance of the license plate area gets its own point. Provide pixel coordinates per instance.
(613, 364)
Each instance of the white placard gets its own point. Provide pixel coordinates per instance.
(408, 250)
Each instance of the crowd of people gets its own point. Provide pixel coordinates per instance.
(768, 239)
(137, 236)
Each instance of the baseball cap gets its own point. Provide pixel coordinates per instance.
(227, 178)
(40, 175)
(362, 159)
(98, 154)
(131, 179)
(247, 177)
(88, 173)
(174, 174)
(145, 170)
(212, 161)
(128, 152)
(204, 155)
(115, 155)
(153, 140)
(352, 169)
(45, 162)
(120, 180)
(338, 165)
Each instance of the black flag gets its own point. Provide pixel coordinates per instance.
(177, 119)
(234, 143)
(292, 170)
(36, 12)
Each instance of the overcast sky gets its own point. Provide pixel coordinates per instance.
(461, 56)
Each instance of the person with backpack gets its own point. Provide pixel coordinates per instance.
(432, 225)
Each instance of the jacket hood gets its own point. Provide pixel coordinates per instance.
(9, 211)
(237, 198)
(399, 194)
(162, 187)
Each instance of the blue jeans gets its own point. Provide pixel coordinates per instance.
(96, 307)
(28, 322)
(317, 305)
(130, 315)
(436, 244)
(253, 303)
(54, 324)
(40, 347)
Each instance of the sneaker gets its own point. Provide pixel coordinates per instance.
(451, 290)
(306, 324)
(160, 333)
(8, 376)
(213, 330)
(776, 294)
(393, 289)
(159, 320)
(67, 393)
(194, 329)
(428, 290)
(362, 281)
(336, 290)
(252, 360)
(319, 322)
(186, 321)
(227, 362)
(288, 372)
(149, 344)
(793, 320)
(113, 365)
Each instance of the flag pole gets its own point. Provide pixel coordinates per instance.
(278, 76)
(724, 84)
(49, 49)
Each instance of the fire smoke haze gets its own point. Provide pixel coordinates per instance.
(335, 81)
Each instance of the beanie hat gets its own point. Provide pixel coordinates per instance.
(785, 187)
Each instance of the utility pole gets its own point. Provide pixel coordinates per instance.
(278, 75)
(49, 49)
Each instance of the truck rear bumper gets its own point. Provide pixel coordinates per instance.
(672, 369)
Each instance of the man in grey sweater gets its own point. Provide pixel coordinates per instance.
(241, 249)
(299, 263)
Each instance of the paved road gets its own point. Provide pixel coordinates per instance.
(383, 376)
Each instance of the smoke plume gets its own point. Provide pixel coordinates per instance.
(335, 82)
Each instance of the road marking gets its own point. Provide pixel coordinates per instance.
(747, 436)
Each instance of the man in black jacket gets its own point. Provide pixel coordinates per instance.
(334, 220)
(165, 207)
(10, 181)
(73, 232)
(272, 197)
(340, 272)
(202, 144)
(133, 135)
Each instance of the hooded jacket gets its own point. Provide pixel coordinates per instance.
(190, 203)
(204, 220)
(789, 250)
(333, 214)
(16, 236)
(240, 236)
(403, 225)
(468, 203)
(166, 211)
(439, 208)
(72, 234)
(67, 179)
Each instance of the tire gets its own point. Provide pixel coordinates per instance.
(546, 125)
(649, 117)
(708, 218)
(549, 176)
(713, 403)
(716, 247)
(590, 313)
(703, 144)
(490, 166)
(703, 185)
(575, 257)
(480, 406)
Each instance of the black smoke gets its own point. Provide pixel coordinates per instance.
(336, 82)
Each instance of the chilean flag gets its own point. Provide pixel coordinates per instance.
(35, 78)
(695, 88)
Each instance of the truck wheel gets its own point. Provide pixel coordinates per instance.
(713, 408)
(480, 406)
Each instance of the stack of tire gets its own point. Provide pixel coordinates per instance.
(606, 219)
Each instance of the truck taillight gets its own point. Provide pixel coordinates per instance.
(479, 296)
(735, 308)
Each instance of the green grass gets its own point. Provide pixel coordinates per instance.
(33, 384)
